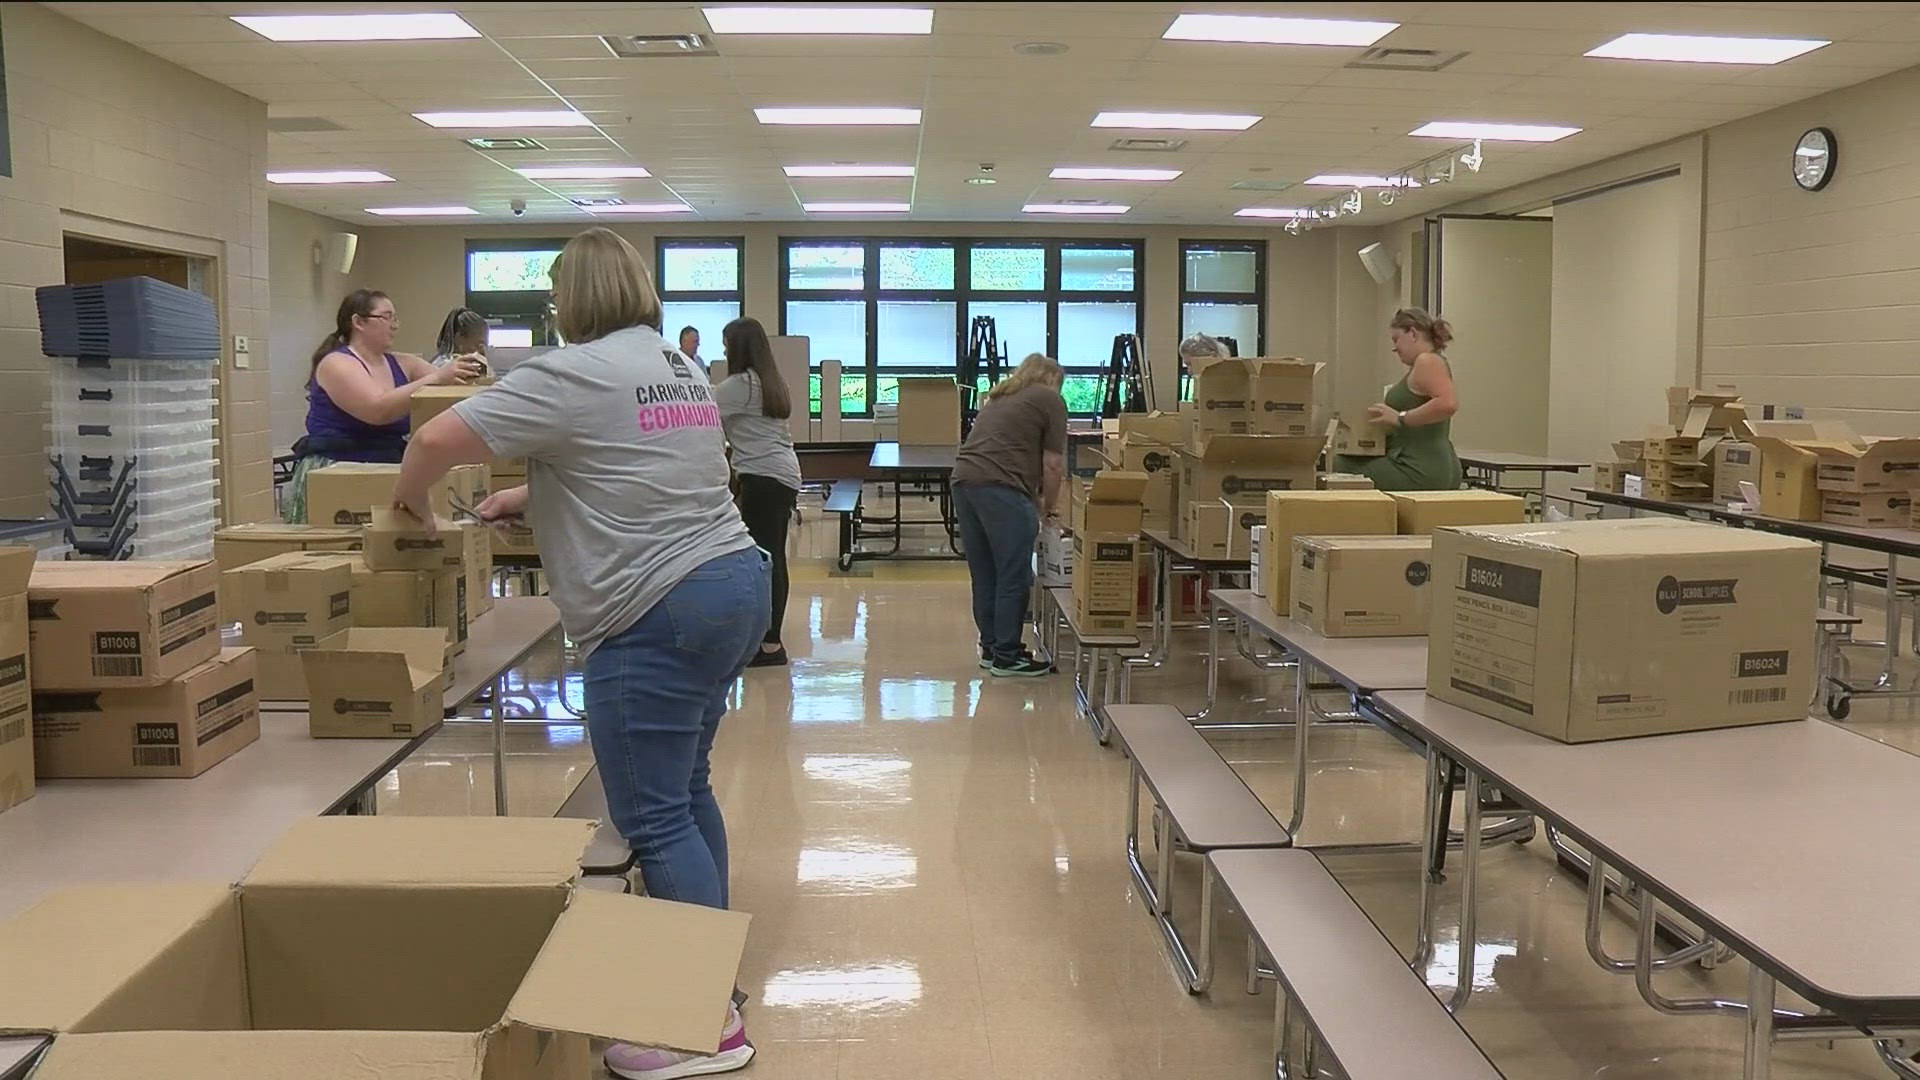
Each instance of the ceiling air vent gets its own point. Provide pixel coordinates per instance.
(647, 46)
(598, 202)
(286, 125)
(1150, 146)
(516, 143)
(1405, 59)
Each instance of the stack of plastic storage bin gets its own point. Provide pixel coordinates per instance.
(132, 431)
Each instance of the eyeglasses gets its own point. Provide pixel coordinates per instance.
(393, 319)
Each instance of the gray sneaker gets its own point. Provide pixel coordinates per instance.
(1024, 668)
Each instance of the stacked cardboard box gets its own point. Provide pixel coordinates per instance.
(1150, 443)
(289, 604)
(1822, 470)
(1106, 537)
(1223, 485)
(1418, 513)
(129, 677)
(1679, 463)
(237, 545)
(16, 679)
(1257, 396)
(1734, 463)
(346, 494)
(1345, 482)
(1362, 586)
(1611, 629)
(1290, 514)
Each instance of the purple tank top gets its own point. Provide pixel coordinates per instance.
(338, 434)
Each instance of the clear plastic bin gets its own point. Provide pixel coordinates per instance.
(143, 439)
(156, 521)
(194, 551)
(116, 415)
(136, 381)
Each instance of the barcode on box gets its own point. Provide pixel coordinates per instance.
(156, 757)
(117, 667)
(1757, 697)
(15, 730)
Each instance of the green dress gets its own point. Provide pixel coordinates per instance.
(1417, 458)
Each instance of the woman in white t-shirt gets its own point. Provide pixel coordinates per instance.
(754, 406)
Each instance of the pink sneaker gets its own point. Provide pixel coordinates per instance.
(649, 1063)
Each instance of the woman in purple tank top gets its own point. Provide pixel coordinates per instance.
(359, 393)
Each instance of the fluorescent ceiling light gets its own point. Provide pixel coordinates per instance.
(1073, 208)
(642, 208)
(837, 116)
(1154, 121)
(524, 119)
(798, 20)
(338, 176)
(1461, 129)
(423, 211)
(405, 27)
(1270, 212)
(1114, 174)
(1277, 31)
(1351, 180)
(856, 207)
(584, 172)
(1685, 48)
(849, 170)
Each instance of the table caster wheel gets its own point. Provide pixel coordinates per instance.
(1839, 705)
(844, 563)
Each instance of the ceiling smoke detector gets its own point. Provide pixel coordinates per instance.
(516, 143)
(1383, 59)
(1149, 145)
(649, 46)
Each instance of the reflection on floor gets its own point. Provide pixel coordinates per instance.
(933, 859)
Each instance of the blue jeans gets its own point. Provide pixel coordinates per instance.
(998, 525)
(655, 693)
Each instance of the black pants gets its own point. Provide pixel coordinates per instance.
(766, 505)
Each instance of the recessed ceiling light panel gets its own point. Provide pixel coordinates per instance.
(1156, 121)
(1694, 49)
(423, 211)
(1074, 173)
(1270, 212)
(1462, 129)
(338, 176)
(1269, 30)
(849, 170)
(584, 172)
(837, 116)
(856, 207)
(1074, 208)
(516, 143)
(806, 20)
(535, 118)
(1355, 180)
(419, 26)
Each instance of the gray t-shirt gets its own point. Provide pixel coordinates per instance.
(762, 445)
(626, 473)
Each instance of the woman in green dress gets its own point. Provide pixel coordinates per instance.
(1418, 412)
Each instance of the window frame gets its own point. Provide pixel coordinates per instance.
(1258, 248)
(736, 295)
(962, 294)
(518, 305)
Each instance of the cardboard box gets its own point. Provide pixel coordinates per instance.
(105, 625)
(430, 401)
(1610, 629)
(1218, 530)
(1719, 409)
(1789, 463)
(1168, 429)
(1257, 560)
(1150, 443)
(282, 669)
(1338, 481)
(1608, 476)
(1053, 558)
(1867, 509)
(295, 599)
(1682, 491)
(399, 541)
(237, 545)
(929, 412)
(478, 548)
(1734, 462)
(1315, 513)
(1109, 503)
(513, 539)
(1692, 474)
(1869, 464)
(179, 729)
(385, 598)
(1243, 468)
(370, 946)
(1421, 512)
(16, 678)
(1105, 576)
(1221, 386)
(1358, 437)
(1362, 586)
(1283, 396)
(384, 683)
(347, 493)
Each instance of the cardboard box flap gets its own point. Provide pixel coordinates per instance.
(1859, 448)
(1116, 486)
(107, 575)
(70, 953)
(346, 850)
(261, 1055)
(1633, 537)
(425, 648)
(1797, 431)
(1170, 429)
(16, 569)
(644, 971)
(275, 531)
(1277, 449)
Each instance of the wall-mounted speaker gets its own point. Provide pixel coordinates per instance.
(338, 252)
(1379, 263)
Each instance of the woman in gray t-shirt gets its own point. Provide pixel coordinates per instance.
(655, 576)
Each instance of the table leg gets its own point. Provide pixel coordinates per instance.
(1433, 834)
(1162, 601)
(1302, 720)
(1893, 621)
(1759, 1046)
(1213, 660)
(499, 710)
(1469, 896)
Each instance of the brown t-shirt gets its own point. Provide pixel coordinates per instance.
(1009, 436)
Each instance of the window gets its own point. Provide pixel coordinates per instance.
(1222, 291)
(700, 286)
(893, 307)
(509, 282)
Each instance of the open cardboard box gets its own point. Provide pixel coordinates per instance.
(396, 540)
(1109, 503)
(362, 947)
(1789, 463)
(377, 683)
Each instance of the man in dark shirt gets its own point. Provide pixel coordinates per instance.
(1005, 480)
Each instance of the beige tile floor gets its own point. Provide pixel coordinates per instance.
(934, 864)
